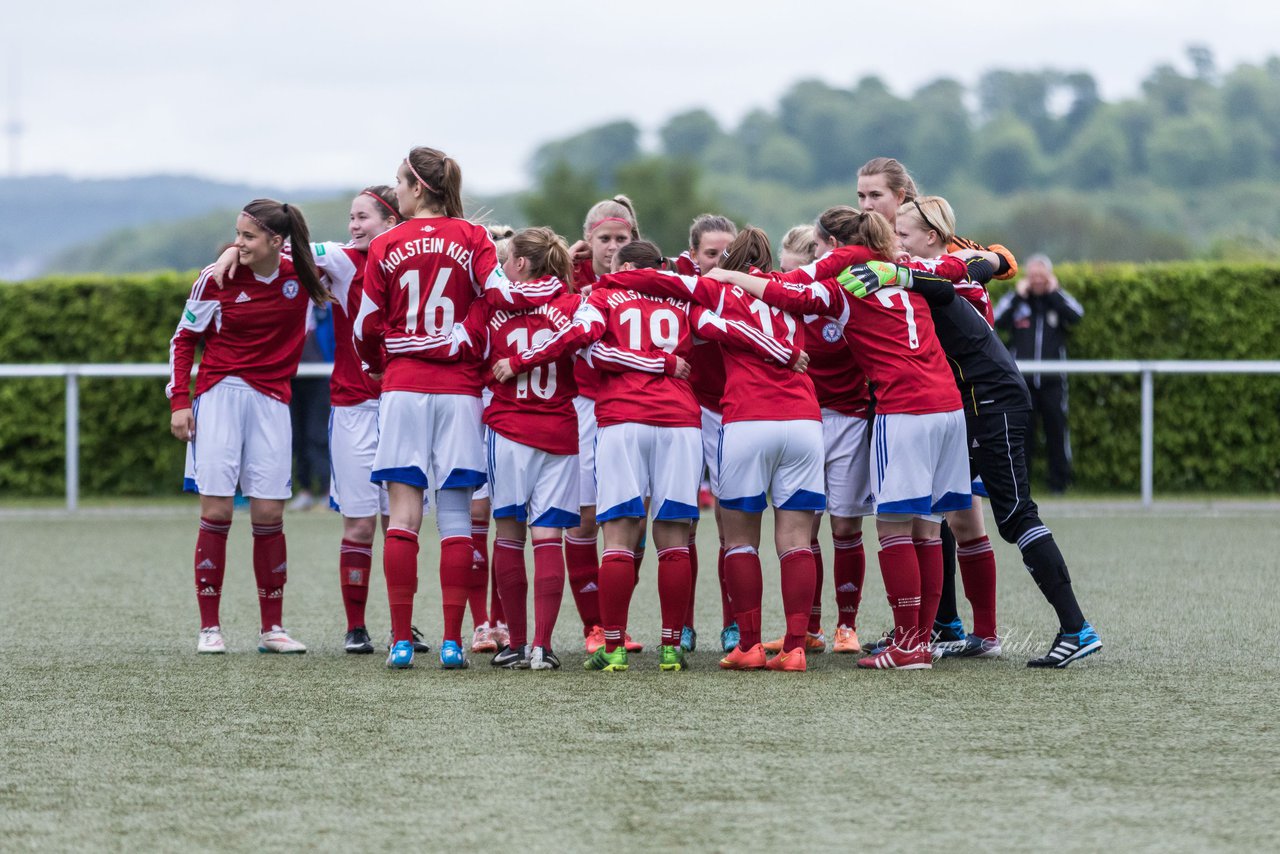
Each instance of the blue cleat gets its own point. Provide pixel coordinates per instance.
(729, 637)
(401, 655)
(688, 639)
(1068, 648)
(451, 657)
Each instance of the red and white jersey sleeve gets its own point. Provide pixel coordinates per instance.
(536, 407)
(253, 328)
(421, 277)
(342, 270)
(829, 266)
(587, 376)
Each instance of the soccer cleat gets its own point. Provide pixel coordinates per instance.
(729, 637)
(358, 642)
(278, 640)
(401, 655)
(812, 643)
(419, 640)
(632, 646)
(880, 644)
(793, 661)
(895, 657)
(1068, 648)
(673, 659)
(609, 662)
(543, 659)
(482, 639)
(594, 639)
(974, 646)
(748, 659)
(846, 640)
(501, 635)
(688, 639)
(451, 657)
(513, 658)
(211, 641)
(947, 639)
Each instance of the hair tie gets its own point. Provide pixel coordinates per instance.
(284, 206)
(920, 211)
(421, 180)
(381, 201)
(601, 222)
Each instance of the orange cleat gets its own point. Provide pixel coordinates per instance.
(631, 645)
(740, 659)
(773, 645)
(846, 640)
(594, 639)
(812, 643)
(790, 661)
(897, 658)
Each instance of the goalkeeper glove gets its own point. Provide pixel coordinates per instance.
(865, 279)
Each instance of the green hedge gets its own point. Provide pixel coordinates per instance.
(1217, 434)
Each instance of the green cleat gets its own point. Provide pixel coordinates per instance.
(609, 662)
(673, 659)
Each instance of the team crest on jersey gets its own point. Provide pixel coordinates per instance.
(831, 332)
(290, 289)
(427, 229)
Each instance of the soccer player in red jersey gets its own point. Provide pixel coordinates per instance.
(709, 236)
(238, 426)
(845, 400)
(770, 447)
(649, 442)
(921, 466)
(420, 277)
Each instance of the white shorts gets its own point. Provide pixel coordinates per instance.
(778, 459)
(586, 450)
(486, 397)
(431, 441)
(711, 422)
(533, 486)
(921, 464)
(353, 441)
(242, 437)
(846, 439)
(638, 460)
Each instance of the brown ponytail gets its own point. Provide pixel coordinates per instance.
(749, 249)
(284, 220)
(849, 226)
(440, 177)
(547, 252)
(643, 254)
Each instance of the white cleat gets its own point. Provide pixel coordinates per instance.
(211, 641)
(278, 640)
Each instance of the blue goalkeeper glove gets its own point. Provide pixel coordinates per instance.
(865, 279)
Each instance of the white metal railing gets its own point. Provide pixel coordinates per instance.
(1146, 369)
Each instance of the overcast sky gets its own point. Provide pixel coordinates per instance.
(326, 93)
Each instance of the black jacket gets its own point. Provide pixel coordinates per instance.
(1038, 325)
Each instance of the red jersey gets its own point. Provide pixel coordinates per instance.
(421, 277)
(707, 362)
(587, 376)
(890, 332)
(977, 294)
(624, 322)
(253, 328)
(840, 384)
(755, 389)
(342, 270)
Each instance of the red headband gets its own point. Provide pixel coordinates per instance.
(601, 222)
(262, 225)
(421, 180)
(395, 213)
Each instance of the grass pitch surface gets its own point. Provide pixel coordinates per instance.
(115, 735)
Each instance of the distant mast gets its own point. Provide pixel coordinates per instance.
(13, 127)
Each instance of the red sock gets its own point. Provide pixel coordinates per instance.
(513, 587)
(584, 571)
(455, 571)
(548, 588)
(639, 559)
(271, 569)
(978, 571)
(478, 589)
(496, 612)
(815, 612)
(211, 565)
(929, 556)
(745, 579)
(797, 594)
(726, 601)
(355, 560)
(901, 573)
(617, 581)
(400, 566)
(848, 573)
(693, 578)
(674, 577)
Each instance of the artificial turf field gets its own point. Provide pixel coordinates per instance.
(115, 735)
